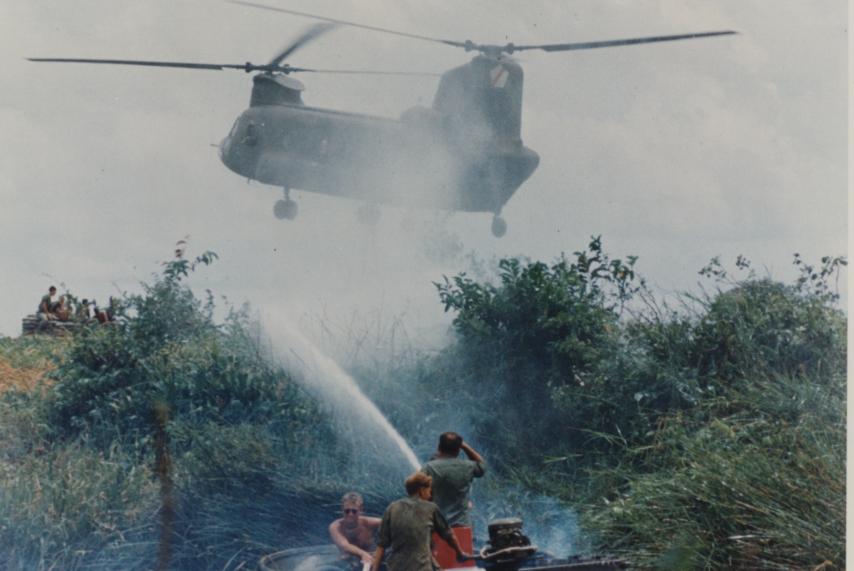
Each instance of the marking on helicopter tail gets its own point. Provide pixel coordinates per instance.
(499, 75)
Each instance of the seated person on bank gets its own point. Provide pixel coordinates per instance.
(354, 533)
(82, 313)
(47, 304)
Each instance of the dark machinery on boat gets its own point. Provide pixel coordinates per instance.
(508, 549)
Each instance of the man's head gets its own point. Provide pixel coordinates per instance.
(352, 504)
(419, 484)
(450, 443)
(52, 290)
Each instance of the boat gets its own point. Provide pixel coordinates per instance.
(325, 558)
(313, 558)
(508, 550)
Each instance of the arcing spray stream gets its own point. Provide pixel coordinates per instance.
(324, 377)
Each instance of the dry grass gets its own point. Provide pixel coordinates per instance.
(26, 361)
(21, 379)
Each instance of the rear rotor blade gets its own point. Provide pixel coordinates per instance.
(365, 72)
(310, 34)
(351, 24)
(612, 43)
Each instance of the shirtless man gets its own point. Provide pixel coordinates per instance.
(354, 533)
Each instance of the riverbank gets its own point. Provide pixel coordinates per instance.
(709, 437)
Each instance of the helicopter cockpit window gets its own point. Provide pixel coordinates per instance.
(250, 136)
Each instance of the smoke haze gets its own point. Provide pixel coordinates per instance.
(674, 152)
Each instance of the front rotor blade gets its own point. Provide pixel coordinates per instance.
(351, 24)
(310, 34)
(185, 65)
(624, 42)
(271, 67)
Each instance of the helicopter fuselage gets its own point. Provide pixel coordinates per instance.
(420, 160)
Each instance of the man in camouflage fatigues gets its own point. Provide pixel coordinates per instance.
(406, 528)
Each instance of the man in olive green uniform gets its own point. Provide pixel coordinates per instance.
(452, 477)
(406, 527)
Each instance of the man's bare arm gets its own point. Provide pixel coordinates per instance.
(344, 544)
(452, 541)
(378, 558)
(472, 454)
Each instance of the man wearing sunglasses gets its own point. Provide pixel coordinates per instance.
(354, 533)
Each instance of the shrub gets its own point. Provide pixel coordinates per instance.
(164, 348)
(519, 343)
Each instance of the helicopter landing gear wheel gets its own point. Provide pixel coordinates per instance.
(499, 226)
(369, 213)
(285, 209)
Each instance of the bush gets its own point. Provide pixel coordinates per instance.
(519, 343)
(166, 348)
(766, 327)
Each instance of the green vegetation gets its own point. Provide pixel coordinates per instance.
(752, 481)
(161, 432)
(712, 436)
(706, 436)
(29, 352)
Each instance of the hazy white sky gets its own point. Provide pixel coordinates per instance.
(673, 152)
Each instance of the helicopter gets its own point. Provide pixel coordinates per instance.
(464, 153)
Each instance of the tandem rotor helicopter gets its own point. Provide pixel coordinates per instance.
(465, 153)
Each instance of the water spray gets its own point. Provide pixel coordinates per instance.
(320, 374)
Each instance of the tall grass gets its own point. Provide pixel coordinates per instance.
(759, 488)
(60, 506)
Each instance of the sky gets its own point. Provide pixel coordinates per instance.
(674, 152)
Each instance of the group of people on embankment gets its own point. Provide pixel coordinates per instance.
(54, 307)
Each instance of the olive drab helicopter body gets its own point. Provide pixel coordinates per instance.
(464, 153)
